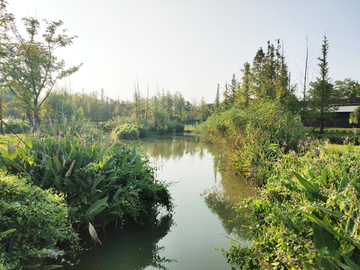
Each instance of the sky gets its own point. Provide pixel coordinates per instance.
(191, 46)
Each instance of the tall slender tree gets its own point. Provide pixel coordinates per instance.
(322, 91)
(217, 100)
(243, 96)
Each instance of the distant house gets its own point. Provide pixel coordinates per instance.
(344, 108)
(343, 115)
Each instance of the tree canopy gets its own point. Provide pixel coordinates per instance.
(28, 65)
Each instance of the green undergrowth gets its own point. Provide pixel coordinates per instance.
(307, 216)
(256, 136)
(101, 180)
(34, 225)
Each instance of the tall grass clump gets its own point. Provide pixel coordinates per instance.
(308, 214)
(34, 226)
(255, 136)
(102, 180)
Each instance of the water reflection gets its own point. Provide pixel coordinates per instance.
(205, 192)
(133, 247)
(228, 189)
(174, 149)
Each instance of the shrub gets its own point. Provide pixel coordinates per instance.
(161, 131)
(170, 128)
(127, 131)
(179, 128)
(143, 132)
(118, 121)
(307, 216)
(256, 135)
(34, 222)
(102, 180)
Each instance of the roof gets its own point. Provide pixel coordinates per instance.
(349, 109)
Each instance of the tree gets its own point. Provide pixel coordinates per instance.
(355, 116)
(217, 100)
(29, 68)
(269, 77)
(179, 104)
(204, 109)
(322, 91)
(347, 88)
(244, 94)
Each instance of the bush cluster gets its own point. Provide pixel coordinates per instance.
(134, 132)
(255, 135)
(127, 132)
(32, 221)
(102, 180)
(307, 216)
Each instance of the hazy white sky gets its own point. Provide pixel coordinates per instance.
(192, 45)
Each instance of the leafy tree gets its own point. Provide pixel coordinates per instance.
(179, 104)
(204, 109)
(225, 105)
(29, 68)
(59, 103)
(269, 77)
(347, 88)
(355, 116)
(322, 91)
(257, 71)
(233, 87)
(168, 102)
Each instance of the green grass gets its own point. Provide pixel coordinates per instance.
(340, 149)
(190, 127)
(9, 137)
(333, 130)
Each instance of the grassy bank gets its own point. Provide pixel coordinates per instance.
(306, 213)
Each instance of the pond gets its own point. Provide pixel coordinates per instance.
(204, 190)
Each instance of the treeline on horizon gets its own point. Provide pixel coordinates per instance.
(267, 78)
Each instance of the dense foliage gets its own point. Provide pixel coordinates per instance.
(102, 180)
(127, 131)
(307, 216)
(34, 223)
(255, 136)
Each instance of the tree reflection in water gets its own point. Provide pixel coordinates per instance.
(132, 247)
(222, 198)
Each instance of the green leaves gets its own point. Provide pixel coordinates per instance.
(310, 187)
(30, 217)
(92, 175)
(97, 208)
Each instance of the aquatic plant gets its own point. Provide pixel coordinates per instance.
(307, 215)
(102, 180)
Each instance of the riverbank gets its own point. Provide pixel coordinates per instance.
(101, 181)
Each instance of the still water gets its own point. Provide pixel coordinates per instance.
(204, 190)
